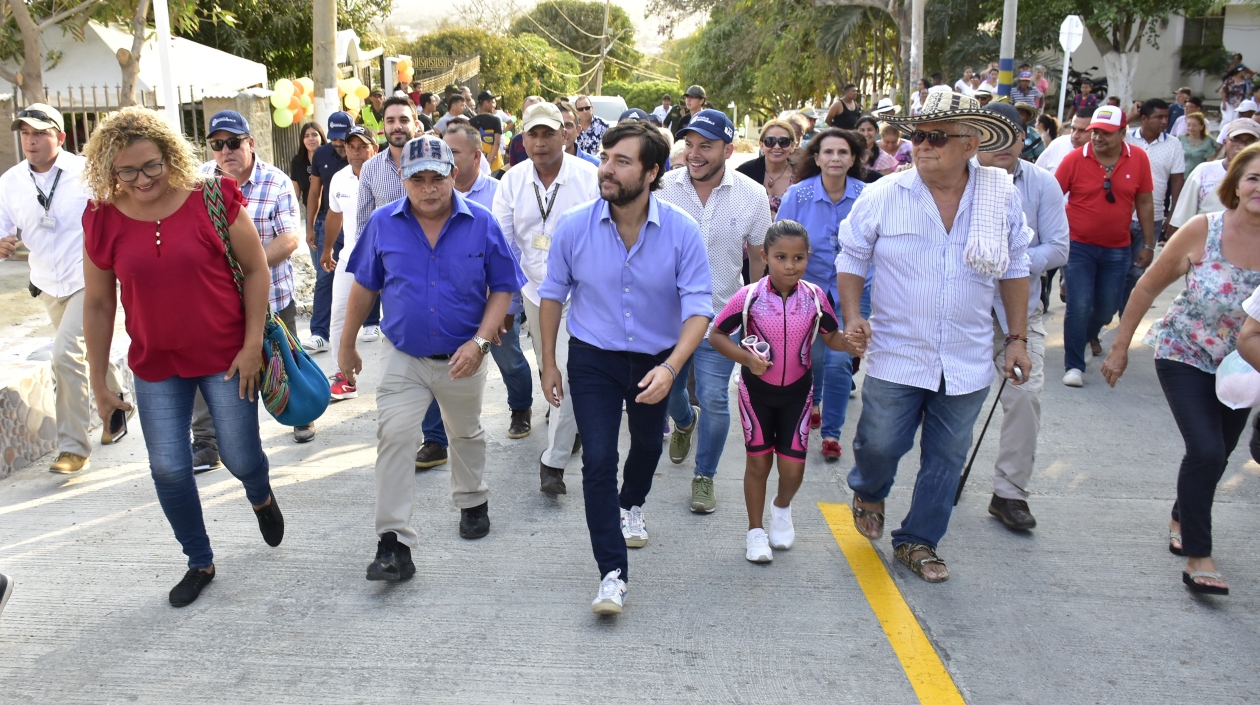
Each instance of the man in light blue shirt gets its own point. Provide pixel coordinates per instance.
(634, 271)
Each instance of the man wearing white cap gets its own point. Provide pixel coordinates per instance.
(42, 200)
(446, 277)
(528, 205)
(1199, 193)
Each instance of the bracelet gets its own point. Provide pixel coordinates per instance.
(1148, 247)
(1012, 338)
(671, 369)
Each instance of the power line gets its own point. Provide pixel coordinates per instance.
(557, 41)
(575, 25)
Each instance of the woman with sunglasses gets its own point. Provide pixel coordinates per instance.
(828, 181)
(150, 229)
(1217, 255)
(877, 163)
(300, 166)
(774, 167)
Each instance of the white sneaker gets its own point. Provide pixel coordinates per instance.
(612, 594)
(633, 528)
(782, 533)
(370, 334)
(316, 344)
(1073, 378)
(758, 547)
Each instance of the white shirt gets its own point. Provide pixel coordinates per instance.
(940, 89)
(736, 216)
(343, 198)
(1166, 157)
(661, 111)
(56, 259)
(961, 86)
(1199, 193)
(1179, 127)
(930, 312)
(516, 209)
(1058, 148)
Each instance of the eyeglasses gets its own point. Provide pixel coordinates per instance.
(151, 170)
(1111, 197)
(35, 114)
(783, 142)
(233, 143)
(582, 110)
(1243, 139)
(936, 138)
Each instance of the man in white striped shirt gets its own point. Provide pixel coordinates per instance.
(941, 238)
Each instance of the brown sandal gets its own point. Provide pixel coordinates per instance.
(859, 514)
(905, 550)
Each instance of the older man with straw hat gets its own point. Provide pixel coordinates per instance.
(943, 238)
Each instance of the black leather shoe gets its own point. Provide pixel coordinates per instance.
(271, 523)
(431, 455)
(552, 480)
(474, 522)
(304, 434)
(188, 589)
(520, 426)
(205, 456)
(1013, 512)
(393, 560)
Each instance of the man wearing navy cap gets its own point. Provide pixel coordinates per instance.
(633, 114)
(734, 213)
(446, 276)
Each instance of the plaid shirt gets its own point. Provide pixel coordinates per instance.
(379, 184)
(272, 204)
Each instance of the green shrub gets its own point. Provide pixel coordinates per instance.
(644, 95)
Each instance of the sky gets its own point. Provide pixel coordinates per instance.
(424, 15)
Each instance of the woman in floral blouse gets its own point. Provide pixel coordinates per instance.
(1218, 257)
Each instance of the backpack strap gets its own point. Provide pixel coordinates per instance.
(749, 298)
(817, 308)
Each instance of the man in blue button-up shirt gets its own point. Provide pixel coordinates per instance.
(432, 257)
(636, 276)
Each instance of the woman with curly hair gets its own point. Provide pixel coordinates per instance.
(149, 227)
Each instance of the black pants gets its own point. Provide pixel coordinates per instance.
(1210, 430)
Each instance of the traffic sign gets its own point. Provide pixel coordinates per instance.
(1071, 32)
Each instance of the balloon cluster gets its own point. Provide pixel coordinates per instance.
(352, 92)
(293, 100)
(405, 70)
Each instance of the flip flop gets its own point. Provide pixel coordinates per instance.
(1189, 580)
(1175, 550)
(860, 513)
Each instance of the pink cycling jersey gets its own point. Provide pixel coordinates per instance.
(787, 325)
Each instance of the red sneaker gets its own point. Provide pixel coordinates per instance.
(341, 389)
(831, 450)
(815, 419)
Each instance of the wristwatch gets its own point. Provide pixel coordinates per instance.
(482, 343)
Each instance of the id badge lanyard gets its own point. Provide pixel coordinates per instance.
(542, 241)
(47, 222)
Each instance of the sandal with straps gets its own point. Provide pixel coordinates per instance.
(1175, 549)
(1196, 586)
(859, 513)
(905, 550)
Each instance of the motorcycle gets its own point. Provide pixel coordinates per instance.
(1099, 84)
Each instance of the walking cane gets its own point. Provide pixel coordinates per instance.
(963, 482)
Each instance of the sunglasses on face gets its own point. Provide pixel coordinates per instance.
(782, 142)
(1243, 140)
(936, 138)
(233, 143)
(582, 110)
(151, 170)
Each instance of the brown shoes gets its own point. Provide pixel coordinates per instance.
(68, 464)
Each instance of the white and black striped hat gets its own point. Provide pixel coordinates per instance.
(996, 132)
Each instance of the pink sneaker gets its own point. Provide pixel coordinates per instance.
(341, 389)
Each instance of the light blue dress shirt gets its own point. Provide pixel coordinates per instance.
(632, 301)
(807, 203)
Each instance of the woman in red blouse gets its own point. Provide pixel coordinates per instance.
(148, 229)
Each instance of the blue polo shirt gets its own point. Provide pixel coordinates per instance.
(325, 164)
(433, 298)
(807, 203)
(632, 301)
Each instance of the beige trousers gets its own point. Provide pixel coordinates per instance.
(562, 428)
(407, 386)
(1021, 414)
(70, 372)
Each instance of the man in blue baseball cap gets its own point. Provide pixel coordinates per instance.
(633, 114)
(446, 277)
(734, 214)
(329, 159)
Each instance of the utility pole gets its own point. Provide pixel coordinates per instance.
(604, 48)
(916, 39)
(1006, 62)
(170, 98)
(324, 50)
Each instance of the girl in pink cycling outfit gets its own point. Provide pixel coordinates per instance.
(775, 392)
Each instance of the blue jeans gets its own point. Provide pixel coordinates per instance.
(713, 383)
(833, 385)
(166, 409)
(321, 307)
(517, 377)
(599, 382)
(891, 413)
(1095, 281)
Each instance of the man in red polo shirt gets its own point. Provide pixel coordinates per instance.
(1105, 181)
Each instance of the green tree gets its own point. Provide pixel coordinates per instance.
(577, 28)
(23, 23)
(513, 66)
(644, 95)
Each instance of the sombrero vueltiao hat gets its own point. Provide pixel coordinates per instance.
(996, 132)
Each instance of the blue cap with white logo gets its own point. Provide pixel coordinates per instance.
(338, 125)
(427, 153)
(712, 124)
(228, 121)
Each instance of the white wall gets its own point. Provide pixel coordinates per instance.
(1158, 75)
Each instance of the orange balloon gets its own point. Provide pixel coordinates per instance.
(294, 103)
(298, 88)
(298, 115)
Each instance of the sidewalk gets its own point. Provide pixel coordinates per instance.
(1088, 608)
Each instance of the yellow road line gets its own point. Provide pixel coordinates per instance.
(923, 667)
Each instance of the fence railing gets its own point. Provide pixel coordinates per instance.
(460, 70)
(84, 107)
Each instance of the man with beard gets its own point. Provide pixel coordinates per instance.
(733, 212)
(634, 272)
